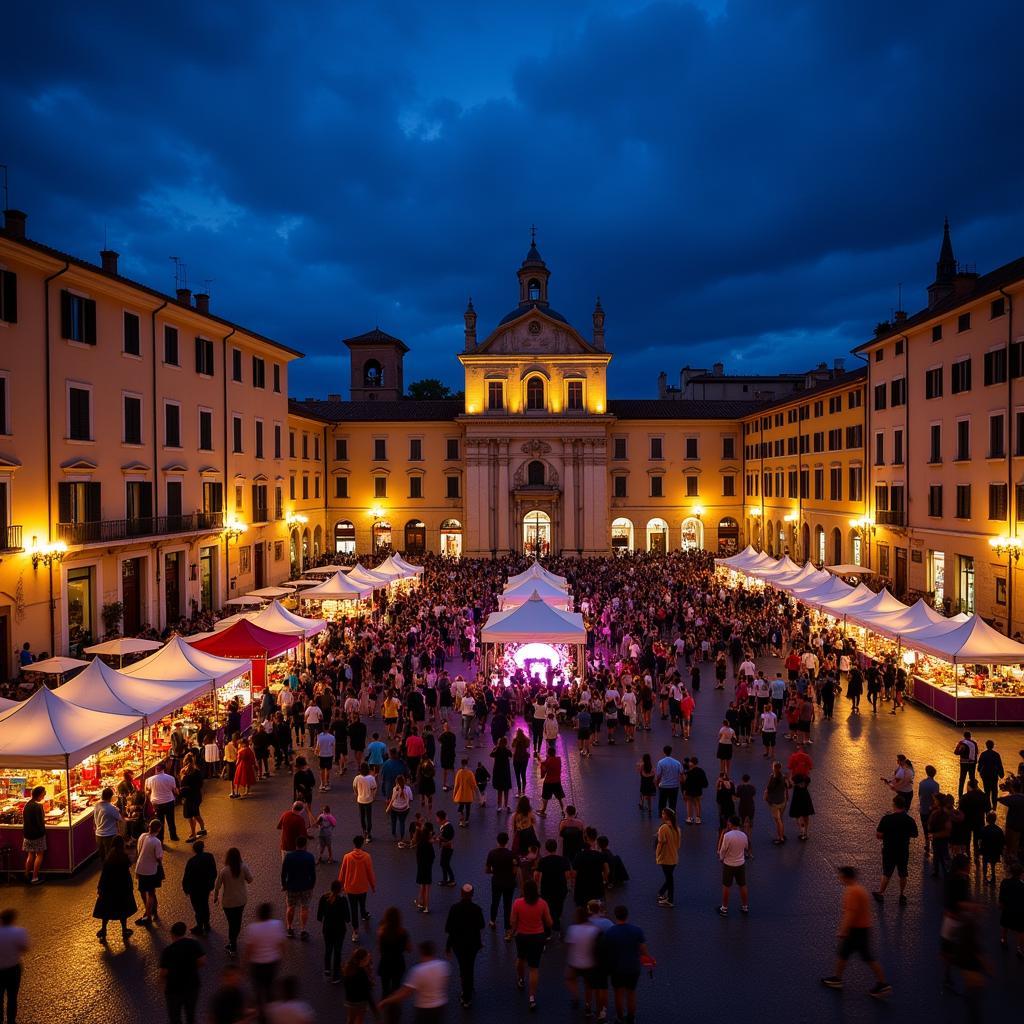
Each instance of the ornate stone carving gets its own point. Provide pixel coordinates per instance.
(536, 448)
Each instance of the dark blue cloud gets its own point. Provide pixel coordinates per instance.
(734, 178)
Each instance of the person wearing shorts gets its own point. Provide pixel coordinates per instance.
(895, 831)
(531, 920)
(298, 879)
(732, 852)
(855, 934)
(325, 744)
(624, 946)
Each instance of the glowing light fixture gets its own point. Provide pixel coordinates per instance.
(46, 553)
(234, 529)
(1004, 545)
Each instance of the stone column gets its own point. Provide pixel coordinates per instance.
(503, 498)
(569, 519)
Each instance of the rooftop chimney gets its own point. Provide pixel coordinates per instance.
(108, 259)
(14, 223)
(202, 302)
(185, 296)
(838, 364)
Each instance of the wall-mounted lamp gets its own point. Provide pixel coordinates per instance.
(377, 512)
(698, 511)
(47, 554)
(296, 520)
(1004, 545)
(234, 529)
(790, 517)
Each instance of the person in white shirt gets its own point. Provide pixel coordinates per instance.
(467, 708)
(162, 792)
(427, 985)
(313, 717)
(732, 852)
(263, 945)
(325, 744)
(769, 727)
(364, 785)
(748, 668)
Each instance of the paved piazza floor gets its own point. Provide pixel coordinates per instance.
(765, 967)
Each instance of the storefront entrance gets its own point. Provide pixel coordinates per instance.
(174, 562)
(207, 577)
(258, 568)
(415, 537)
(537, 533)
(81, 608)
(133, 582)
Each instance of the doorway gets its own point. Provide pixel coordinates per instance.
(415, 537)
(901, 572)
(173, 563)
(5, 645)
(132, 581)
(207, 577)
(537, 533)
(257, 564)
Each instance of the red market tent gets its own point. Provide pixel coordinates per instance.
(244, 640)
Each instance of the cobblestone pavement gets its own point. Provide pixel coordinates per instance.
(765, 967)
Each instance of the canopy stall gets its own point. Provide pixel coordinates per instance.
(230, 620)
(367, 578)
(513, 597)
(245, 602)
(534, 634)
(42, 741)
(124, 646)
(832, 589)
(848, 569)
(870, 612)
(269, 593)
(324, 570)
(250, 642)
(808, 572)
(296, 585)
(785, 566)
(811, 582)
(340, 595)
(918, 617)
(536, 571)
(408, 566)
(276, 618)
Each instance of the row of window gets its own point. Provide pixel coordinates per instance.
(78, 323)
(808, 484)
(837, 439)
(998, 495)
(452, 487)
(380, 449)
(962, 450)
(997, 308)
(536, 395)
(797, 414)
(81, 502)
(657, 486)
(691, 448)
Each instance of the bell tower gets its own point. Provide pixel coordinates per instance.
(533, 276)
(376, 366)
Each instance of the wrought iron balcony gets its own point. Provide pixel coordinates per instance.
(891, 517)
(260, 514)
(10, 539)
(105, 531)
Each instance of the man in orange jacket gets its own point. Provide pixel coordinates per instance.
(357, 879)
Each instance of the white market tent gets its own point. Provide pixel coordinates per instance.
(741, 558)
(812, 581)
(408, 566)
(870, 612)
(47, 732)
(123, 645)
(831, 590)
(228, 622)
(339, 588)
(550, 594)
(785, 566)
(58, 666)
(393, 570)
(294, 585)
(848, 569)
(278, 619)
(807, 573)
(534, 622)
(101, 688)
(245, 602)
(918, 617)
(360, 574)
(6, 704)
(269, 593)
(177, 661)
(973, 642)
(534, 572)
(960, 617)
(860, 595)
(324, 570)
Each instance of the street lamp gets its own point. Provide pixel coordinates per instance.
(234, 529)
(46, 554)
(865, 526)
(1011, 547)
(296, 520)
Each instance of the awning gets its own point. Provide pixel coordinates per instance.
(972, 642)
(848, 569)
(534, 572)
(874, 611)
(245, 602)
(181, 662)
(324, 570)
(47, 732)
(547, 592)
(390, 568)
(408, 566)
(58, 666)
(278, 619)
(359, 574)
(122, 645)
(244, 640)
(269, 593)
(534, 622)
(339, 588)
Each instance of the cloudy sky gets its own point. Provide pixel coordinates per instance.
(744, 180)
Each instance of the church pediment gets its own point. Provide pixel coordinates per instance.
(535, 332)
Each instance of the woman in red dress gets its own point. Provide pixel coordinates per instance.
(245, 768)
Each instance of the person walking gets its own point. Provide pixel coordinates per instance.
(531, 919)
(163, 792)
(333, 913)
(180, 963)
(520, 760)
(501, 778)
(967, 750)
(551, 775)
(990, 768)
(393, 944)
(801, 807)
(552, 874)
(667, 774)
(149, 872)
(245, 769)
(357, 879)
(666, 856)
(464, 929)
(1011, 907)
(446, 844)
(263, 945)
(732, 852)
(927, 791)
(695, 782)
(424, 866)
(426, 984)
(231, 890)
(464, 792)
(895, 831)
(358, 982)
(501, 866)
(107, 820)
(624, 947)
(298, 879)
(855, 935)
(33, 835)
(197, 882)
(14, 944)
(364, 785)
(115, 897)
(191, 788)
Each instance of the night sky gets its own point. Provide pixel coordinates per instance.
(748, 181)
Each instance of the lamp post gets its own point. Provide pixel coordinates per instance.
(755, 514)
(791, 518)
(1011, 547)
(865, 526)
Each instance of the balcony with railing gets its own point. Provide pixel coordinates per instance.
(260, 514)
(105, 531)
(891, 517)
(10, 538)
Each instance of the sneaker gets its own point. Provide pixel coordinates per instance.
(881, 990)
(744, 910)
(832, 982)
(533, 1005)
(723, 911)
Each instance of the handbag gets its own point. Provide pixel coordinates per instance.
(160, 876)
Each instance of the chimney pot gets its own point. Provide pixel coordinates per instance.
(14, 222)
(108, 260)
(838, 364)
(202, 302)
(185, 296)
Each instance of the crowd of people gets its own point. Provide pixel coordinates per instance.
(394, 715)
